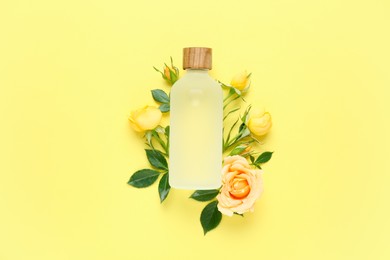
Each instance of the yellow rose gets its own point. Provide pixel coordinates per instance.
(146, 118)
(259, 122)
(241, 186)
(241, 81)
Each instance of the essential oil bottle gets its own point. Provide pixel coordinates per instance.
(196, 116)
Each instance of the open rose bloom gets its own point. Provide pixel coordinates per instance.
(241, 186)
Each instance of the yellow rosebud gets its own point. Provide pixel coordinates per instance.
(241, 149)
(259, 122)
(146, 118)
(241, 81)
(167, 72)
(247, 149)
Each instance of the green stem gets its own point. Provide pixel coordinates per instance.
(167, 148)
(236, 140)
(227, 97)
(230, 101)
(161, 142)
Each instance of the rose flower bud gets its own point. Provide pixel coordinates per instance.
(259, 122)
(146, 118)
(169, 73)
(241, 81)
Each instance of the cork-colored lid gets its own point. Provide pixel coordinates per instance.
(197, 58)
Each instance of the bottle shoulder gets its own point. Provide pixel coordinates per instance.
(203, 81)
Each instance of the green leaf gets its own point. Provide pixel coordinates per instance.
(173, 76)
(148, 136)
(242, 127)
(164, 187)
(204, 195)
(160, 96)
(157, 137)
(224, 85)
(157, 159)
(244, 133)
(167, 131)
(210, 217)
(167, 137)
(232, 91)
(159, 129)
(164, 108)
(264, 157)
(257, 166)
(143, 178)
(245, 117)
(238, 149)
(252, 158)
(238, 92)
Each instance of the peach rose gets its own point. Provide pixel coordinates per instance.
(241, 186)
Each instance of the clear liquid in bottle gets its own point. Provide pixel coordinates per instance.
(196, 126)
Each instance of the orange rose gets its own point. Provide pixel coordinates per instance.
(241, 186)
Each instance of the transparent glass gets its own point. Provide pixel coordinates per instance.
(195, 149)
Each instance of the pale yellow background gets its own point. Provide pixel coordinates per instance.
(71, 71)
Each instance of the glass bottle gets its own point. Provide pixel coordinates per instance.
(196, 116)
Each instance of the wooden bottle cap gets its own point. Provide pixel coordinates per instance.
(197, 58)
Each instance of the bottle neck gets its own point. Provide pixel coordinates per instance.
(197, 71)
